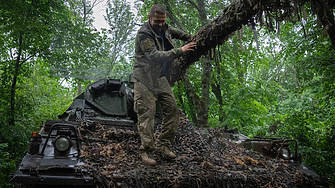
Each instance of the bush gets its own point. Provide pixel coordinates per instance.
(315, 139)
(7, 165)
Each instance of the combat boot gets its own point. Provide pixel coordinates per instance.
(147, 158)
(165, 151)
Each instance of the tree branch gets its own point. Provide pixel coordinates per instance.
(171, 15)
(23, 61)
(219, 30)
(193, 4)
(11, 54)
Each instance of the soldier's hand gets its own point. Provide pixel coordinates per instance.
(189, 47)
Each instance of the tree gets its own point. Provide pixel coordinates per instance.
(221, 28)
(120, 19)
(25, 39)
(201, 105)
(179, 16)
(26, 36)
(76, 46)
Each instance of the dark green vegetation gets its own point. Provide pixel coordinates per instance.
(285, 88)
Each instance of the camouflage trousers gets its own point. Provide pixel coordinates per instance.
(145, 107)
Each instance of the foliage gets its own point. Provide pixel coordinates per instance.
(315, 140)
(121, 21)
(39, 97)
(82, 54)
(77, 48)
(285, 88)
(7, 165)
(27, 94)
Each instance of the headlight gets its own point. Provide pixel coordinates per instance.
(62, 143)
(285, 153)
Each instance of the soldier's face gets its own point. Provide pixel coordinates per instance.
(157, 21)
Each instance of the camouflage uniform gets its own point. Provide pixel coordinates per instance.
(152, 59)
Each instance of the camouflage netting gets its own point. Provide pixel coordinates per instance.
(204, 159)
(238, 13)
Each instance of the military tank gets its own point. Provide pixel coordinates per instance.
(58, 154)
(52, 158)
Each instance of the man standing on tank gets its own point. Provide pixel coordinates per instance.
(154, 54)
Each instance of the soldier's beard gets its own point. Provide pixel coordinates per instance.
(157, 28)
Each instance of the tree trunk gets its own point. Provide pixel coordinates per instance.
(239, 13)
(202, 104)
(171, 15)
(180, 97)
(192, 99)
(220, 29)
(205, 90)
(13, 89)
(322, 10)
(216, 89)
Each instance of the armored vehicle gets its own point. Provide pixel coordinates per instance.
(52, 158)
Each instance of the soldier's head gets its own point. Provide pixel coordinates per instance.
(157, 17)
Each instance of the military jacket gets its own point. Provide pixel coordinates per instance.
(150, 57)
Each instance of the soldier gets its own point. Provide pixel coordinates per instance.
(154, 54)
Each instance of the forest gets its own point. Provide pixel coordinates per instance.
(265, 68)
